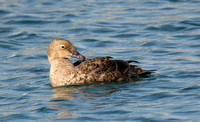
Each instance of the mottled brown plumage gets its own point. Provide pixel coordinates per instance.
(63, 72)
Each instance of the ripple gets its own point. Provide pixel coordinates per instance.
(45, 110)
(6, 29)
(19, 17)
(160, 51)
(18, 116)
(157, 96)
(195, 45)
(87, 119)
(190, 88)
(3, 12)
(126, 35)
(131, 9)
(168, 8)
(103, 30)
(168, 28)
(77, 30)
(18, 34)
(187, 74)
(189, 22)
(97, 43)
(63, 21)
(70, 16)
(25, 88)
(149, 44)
(22, 35)
(35, 22)
(103, 23)
(90, 40)
(8, 45)
(113, 112)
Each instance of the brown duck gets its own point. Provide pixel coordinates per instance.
(63, 72)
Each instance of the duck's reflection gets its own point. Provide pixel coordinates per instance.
(69, 101)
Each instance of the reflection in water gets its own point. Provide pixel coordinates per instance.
(64, 98)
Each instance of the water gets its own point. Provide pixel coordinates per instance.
(162, 35)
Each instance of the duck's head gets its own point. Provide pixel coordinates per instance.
(62, 48)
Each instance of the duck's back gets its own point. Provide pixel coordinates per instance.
(104, 69)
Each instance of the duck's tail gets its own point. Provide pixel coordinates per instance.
(147, 72)
(141, 72)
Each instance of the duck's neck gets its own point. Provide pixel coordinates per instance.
(62, 62)
(61, 71)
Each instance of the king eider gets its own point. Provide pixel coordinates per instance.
(63, 72)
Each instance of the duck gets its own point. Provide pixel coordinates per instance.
(64, 72)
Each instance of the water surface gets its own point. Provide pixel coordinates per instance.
(162, 35)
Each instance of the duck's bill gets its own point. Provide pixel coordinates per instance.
(79, 56)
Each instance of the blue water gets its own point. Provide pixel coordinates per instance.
(160, 34)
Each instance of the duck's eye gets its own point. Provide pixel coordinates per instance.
(63, 47)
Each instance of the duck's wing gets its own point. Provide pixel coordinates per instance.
(108, 70)
(78, 62)
(100, 64)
